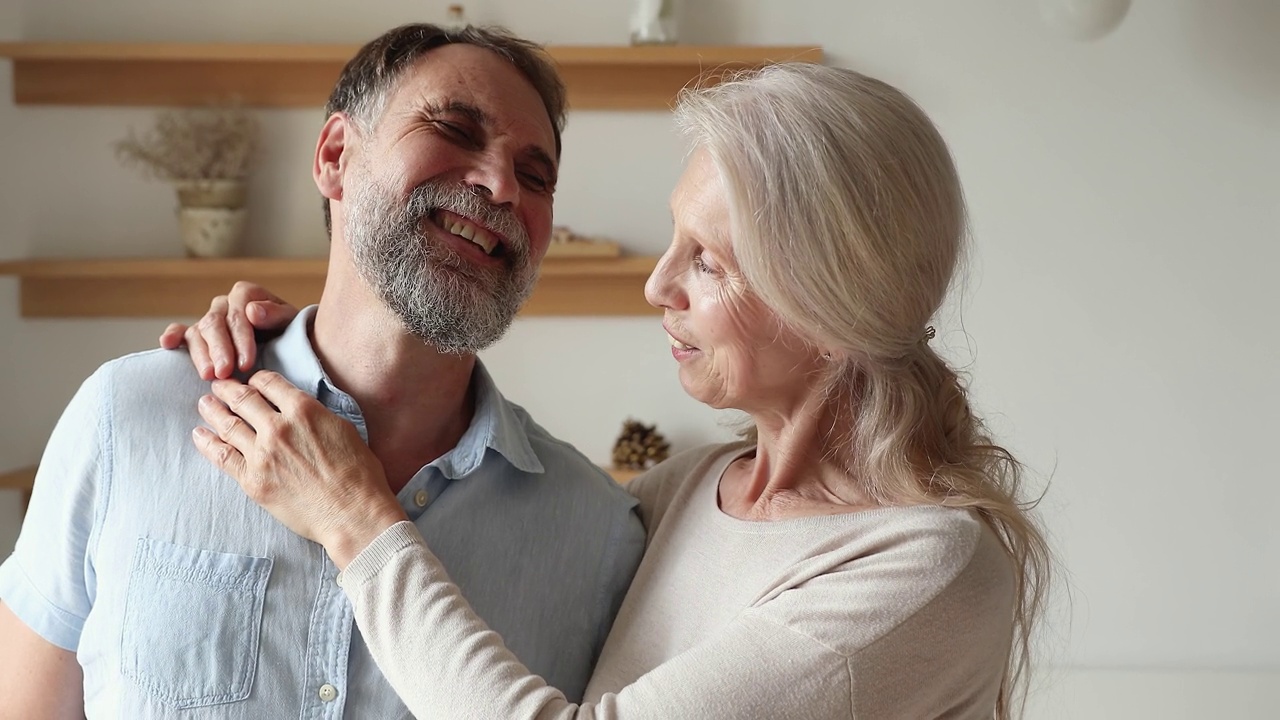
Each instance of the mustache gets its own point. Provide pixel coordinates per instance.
(469, 202)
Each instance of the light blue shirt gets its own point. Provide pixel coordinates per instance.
(178, 593)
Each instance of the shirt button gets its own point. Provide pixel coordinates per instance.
(338, 580)
(420, 498)
(328, 692)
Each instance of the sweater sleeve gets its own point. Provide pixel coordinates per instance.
(444, 662)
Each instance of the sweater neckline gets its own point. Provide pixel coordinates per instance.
(709, 489)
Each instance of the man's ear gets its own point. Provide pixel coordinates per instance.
(333, 154)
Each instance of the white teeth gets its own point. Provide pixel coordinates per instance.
(465, 231)
(677, 344)
(477, 235)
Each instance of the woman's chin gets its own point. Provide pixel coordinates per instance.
(705, 393)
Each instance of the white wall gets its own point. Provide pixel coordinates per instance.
(1119, 321)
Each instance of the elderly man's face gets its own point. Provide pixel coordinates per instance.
(448, 201)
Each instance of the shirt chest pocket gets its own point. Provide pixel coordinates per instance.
(191, 623)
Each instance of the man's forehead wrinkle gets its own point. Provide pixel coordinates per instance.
(460, 107)
(437, 96)
(444, 106)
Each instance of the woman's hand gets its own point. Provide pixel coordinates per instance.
(306, 466)
(222, 341)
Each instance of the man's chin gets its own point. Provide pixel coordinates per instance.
(463, 334)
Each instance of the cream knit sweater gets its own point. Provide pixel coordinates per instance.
(888, 613)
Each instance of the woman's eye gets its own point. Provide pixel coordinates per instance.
(702, 265)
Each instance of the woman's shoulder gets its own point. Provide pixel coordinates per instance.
(658, 488)
(929, 551)
(896, 566)
(920, 610)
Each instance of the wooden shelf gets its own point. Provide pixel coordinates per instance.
(258, 75)
(21, 480)
(179, 287)
(622, 477)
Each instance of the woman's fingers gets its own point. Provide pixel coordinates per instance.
(252, 307)
(278, 391)
(243, 344)
(246, 402)
(308, 467)
(199, 353)
(223, 340)
(245, 292)
(225, 457)
(230, 427)
(270, 314)
(171, 338)
(215, 330)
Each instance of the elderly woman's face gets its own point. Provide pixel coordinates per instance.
(732, 350)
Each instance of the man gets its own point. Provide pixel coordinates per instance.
(147, 579)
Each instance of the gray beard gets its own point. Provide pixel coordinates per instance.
(444, 300)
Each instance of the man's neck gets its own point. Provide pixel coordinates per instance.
(417, 402)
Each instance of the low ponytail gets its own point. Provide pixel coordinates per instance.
(916, 440)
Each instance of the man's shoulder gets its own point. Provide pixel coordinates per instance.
(149, 377)
(148, 363)
(570, 466)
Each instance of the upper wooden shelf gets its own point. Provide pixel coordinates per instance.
(179, 287)
(170, 74)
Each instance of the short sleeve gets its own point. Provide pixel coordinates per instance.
(48, 581)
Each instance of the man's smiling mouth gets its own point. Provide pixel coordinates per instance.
(467, 230)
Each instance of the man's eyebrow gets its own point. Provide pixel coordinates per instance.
(484, 120)
(457, 107)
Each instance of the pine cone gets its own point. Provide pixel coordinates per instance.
(639, 446)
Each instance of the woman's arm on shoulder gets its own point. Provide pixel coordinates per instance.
(894, 633)
(445, 662)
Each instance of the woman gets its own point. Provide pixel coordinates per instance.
(861, 553)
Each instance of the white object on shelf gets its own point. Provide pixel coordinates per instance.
(654, 22)
(455, 18)
(1084, 19)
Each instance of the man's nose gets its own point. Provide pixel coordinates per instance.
(496, 178)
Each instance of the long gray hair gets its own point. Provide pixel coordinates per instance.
(848, 221)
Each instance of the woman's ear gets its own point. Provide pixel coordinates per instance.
(333, 155)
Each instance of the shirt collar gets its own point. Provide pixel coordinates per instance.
(292, 356)
(495, 424)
